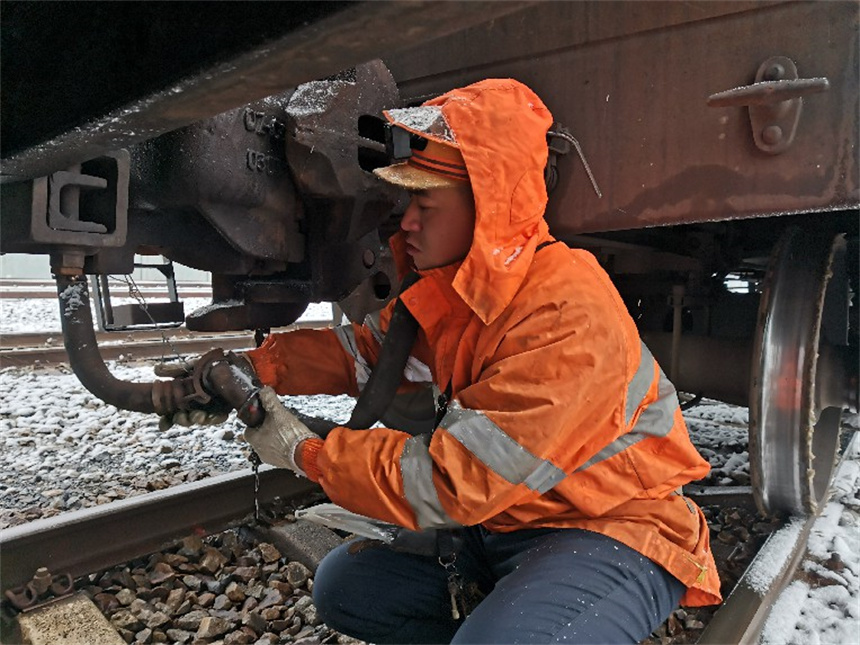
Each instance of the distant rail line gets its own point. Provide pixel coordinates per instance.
(46, 348)
(14, 288)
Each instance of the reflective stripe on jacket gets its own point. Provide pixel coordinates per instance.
(560, 415)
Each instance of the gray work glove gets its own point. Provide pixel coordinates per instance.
(213, 413)
(277, 438)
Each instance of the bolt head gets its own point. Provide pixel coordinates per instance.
(774, 73)
(771, 135)
(368, 258)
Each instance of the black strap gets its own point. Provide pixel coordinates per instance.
(442, 405)
(543, 245)
(385, 377)
(446, 547)
(387, 374)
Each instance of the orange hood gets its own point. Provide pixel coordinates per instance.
(500, 126)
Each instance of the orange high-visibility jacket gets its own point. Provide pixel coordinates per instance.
(560, 416)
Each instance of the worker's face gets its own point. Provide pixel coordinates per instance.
(439, 224)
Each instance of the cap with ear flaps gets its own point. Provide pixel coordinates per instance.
(498, 126)
(434, 161)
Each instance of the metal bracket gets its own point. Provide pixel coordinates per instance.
(63, 201)
(29, 595)
(140, 314)
(775, 101)
(559, 141)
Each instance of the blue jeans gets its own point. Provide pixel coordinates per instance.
(542, 586)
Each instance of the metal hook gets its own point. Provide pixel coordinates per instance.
(568, 137)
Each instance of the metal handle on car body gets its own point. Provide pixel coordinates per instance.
(769, 92)
(775, 100)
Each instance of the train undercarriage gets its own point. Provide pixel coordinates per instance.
(706, 153)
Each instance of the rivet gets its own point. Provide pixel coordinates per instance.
(774, 73)
(771, 135)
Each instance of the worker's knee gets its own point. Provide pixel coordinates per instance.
(334, 585)
(378, 595)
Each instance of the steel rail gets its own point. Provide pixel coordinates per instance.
(93, 539)
(723, 496)
(27, 288)
(742, 616)
(39, 294)
(18, 350)
(137, 350)
(744, 613)
(32, 340)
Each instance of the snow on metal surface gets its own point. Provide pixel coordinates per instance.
(427, 119)
(822, 604)
(314, 97)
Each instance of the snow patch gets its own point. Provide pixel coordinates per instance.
(773, 557)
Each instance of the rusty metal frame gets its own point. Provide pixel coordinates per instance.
(328, 38)
(632, 79)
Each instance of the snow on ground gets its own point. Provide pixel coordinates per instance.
(54, 434)
(822, 605)
(19, 315)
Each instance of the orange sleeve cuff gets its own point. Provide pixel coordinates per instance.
(310, 450)
(263, 363)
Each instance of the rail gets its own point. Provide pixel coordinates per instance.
(18, 350)
(92, 539)
(24, 288)
(744, 613)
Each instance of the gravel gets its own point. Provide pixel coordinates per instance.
(224, 589)
(64, 449)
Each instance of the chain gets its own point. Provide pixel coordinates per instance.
(253, 457)
(255, 460)
(137, 295)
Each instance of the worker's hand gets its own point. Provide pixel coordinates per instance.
(278, 437)
(177, 369)
(213, 413)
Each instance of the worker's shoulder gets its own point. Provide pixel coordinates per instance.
(564, 276)
(560, 265)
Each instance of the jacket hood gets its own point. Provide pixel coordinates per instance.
(500, 127)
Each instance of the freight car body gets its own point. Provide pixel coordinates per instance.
(695, 144)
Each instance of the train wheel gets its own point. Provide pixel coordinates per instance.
(798, 384)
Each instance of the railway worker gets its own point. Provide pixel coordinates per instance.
(559, 460)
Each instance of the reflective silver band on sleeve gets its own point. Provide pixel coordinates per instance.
(346, 335)
(371, 321)
(415, 371)
(656, 420)
(416, 469)
(498, 451)
(640, 384)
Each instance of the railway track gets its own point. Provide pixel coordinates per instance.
(137, 526)
(46, 348)
(20, 288)
(93, 540)
(743, 614)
